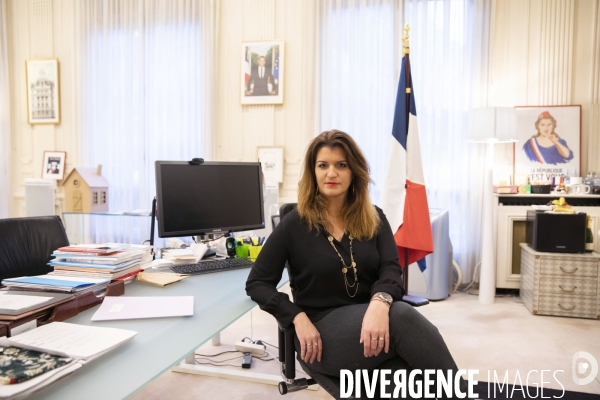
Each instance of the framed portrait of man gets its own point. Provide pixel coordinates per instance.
(53, 166)
(262, 72)
(549, 142)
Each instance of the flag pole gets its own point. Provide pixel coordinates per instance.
(408, 88)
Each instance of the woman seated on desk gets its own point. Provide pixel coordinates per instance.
(344, 272)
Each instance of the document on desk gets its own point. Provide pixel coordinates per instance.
(81, 343)
(71, 340)
(50, 283)
(17, 303)
(160, 279)
(123, 307)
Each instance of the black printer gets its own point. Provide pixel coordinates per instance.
(556, 232)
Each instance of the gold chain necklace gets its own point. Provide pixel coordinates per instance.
(346, 268)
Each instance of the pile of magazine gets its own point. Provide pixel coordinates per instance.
(112, 261)
(86, 267)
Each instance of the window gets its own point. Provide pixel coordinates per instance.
(147, 73)
(360, 53)
(5, 115)
(359, 77)
(94, 197)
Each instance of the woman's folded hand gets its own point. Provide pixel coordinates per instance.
(309, 338)
(375, 332)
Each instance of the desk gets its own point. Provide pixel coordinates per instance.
(219, 300)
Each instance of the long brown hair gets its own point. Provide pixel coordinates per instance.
(358, 213)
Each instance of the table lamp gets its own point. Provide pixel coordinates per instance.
(490, 125)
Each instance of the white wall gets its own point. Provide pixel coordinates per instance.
(240, 129)
(40, 29)
(45, 28)
(542, 52)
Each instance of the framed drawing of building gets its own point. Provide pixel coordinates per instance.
(262, 72)
(549, 142)
(43, 92)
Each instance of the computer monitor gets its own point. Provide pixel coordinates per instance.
(208, 198)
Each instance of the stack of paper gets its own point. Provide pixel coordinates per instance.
(117, 261)
(52, 283)
(106, 248)
(81, 343)
(15, 304)
(180, 256)
(145, 250)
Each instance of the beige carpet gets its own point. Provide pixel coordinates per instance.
(500, 337)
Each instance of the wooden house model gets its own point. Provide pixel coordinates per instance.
(86, 190)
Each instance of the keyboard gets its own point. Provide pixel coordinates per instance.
(206, 267)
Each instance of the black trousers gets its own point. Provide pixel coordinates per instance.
(415, 343)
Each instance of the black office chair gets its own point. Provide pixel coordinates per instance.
(26, 245)
(287, 351)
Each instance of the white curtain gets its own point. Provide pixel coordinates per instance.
(360, 53)
(358, 75)
(5, 190)
(449, 62)
(147, 78)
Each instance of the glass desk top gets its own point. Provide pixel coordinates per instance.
(111, 227)
(161, 343)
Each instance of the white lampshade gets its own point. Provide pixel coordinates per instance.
(493, 125)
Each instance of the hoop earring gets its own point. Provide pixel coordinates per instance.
(352, 188)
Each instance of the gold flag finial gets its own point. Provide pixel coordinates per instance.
(405, 38)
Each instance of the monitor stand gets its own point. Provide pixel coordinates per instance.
(211, 252)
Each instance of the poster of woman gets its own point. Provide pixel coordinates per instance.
(549, 142)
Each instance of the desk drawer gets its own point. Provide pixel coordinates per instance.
(567, 306)
(569, 267)
(568, 286)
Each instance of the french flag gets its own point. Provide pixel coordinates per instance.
(247, 66)
(404, 198)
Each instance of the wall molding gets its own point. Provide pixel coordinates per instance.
(595, 57)
(41, 29)
(556, 61)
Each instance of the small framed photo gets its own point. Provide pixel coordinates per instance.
(262, 72)
(54, 164)
(43, 92)
(271, 160)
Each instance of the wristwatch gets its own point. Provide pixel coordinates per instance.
(383, 296)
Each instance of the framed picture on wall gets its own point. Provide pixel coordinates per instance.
(43, 91)
(549, 142)
(271, 160)
(262, 80)
(54, 164)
